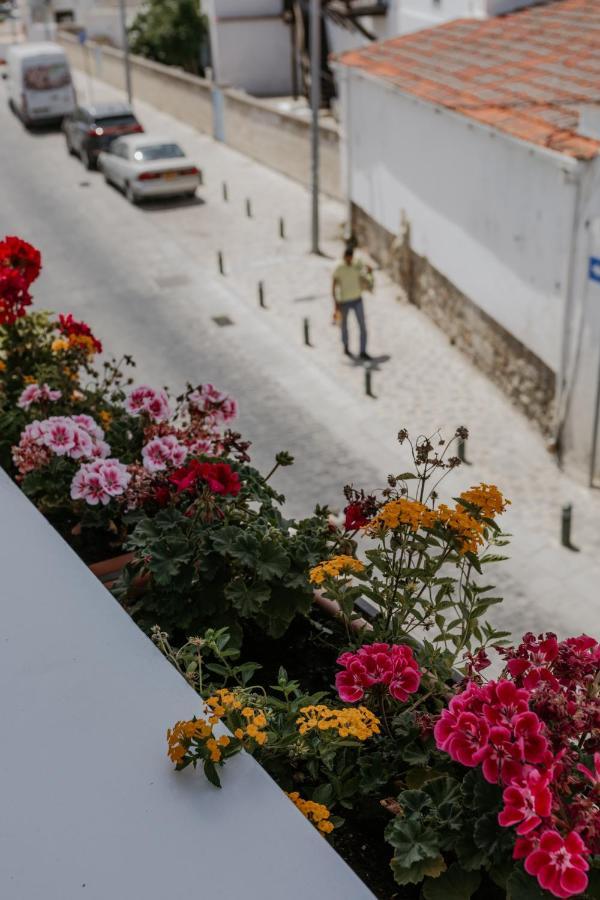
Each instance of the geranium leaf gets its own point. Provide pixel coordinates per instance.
(414, 874)
(521, 886)
(453, 884)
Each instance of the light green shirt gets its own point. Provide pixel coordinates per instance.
(350, 281)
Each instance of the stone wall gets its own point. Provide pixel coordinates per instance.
(518, 372)
(275, 138)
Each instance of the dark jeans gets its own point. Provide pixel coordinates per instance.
(355, 306)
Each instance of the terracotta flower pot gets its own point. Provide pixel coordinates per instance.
(108, 570)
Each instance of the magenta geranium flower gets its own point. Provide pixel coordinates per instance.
(559, 864)
(526, 802)
(392, 665)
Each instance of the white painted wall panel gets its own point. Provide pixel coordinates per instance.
(491, 214)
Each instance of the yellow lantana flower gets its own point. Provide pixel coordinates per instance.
(333, 568)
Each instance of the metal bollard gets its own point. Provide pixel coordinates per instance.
(461, 451)
(369, 383)
(225, 192)
(306, 328)
(565, 528)
(261, 295)
(282, 228)
(221, 262)
(248, 208)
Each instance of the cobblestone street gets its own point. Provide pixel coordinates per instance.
(148, 279)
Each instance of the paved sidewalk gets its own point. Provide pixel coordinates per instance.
(426, 384)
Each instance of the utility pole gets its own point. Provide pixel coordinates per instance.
(315, 102)
(126, 51)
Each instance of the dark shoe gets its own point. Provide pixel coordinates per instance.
(347, 352)
(366, 357)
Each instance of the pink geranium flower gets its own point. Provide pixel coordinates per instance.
(526, 802)
(37, 393)
(559, 864)
(212, 404)
(145, 399)
(60, 435)
(392, 665)
(161, 452)
(100, 481)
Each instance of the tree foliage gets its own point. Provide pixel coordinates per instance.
(170, 32)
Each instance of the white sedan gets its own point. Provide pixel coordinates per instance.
(145, 166)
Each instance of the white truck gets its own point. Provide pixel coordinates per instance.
(40, 89)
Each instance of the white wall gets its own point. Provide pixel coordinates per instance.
(250, 46)
(582, 327)
(490, 213)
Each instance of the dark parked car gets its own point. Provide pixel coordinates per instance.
(92, 128)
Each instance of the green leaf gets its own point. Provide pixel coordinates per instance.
(246, 598)
(453, 884)
(521, 886)
(414, 874)
(273, 561)
(211, 773)
(412, 840)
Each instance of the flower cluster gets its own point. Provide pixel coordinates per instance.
(463, 521)
(20, 265)
(100, 481)
(334, 567)
(37, 393)
(153, 403)
(77, 334)
(76, 437)
(210, 404)
(316, 813)
(162, 452)
(533, 732)
(487, 498)
(492, 726)
(194, 741)
(219, 477)
(355, 722)
(392, 665)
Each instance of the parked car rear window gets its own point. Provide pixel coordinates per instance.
(158, 151)
(112, 121)
(46, 78)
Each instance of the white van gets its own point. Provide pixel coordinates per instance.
(39, 82)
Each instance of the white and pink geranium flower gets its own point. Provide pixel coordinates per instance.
(76, 437)
(215, 405)
(147, 400)
(38, 393)
(161, 452)
(99, 481)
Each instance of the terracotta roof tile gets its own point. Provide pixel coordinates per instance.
(526, 73)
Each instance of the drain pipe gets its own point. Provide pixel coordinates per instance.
(564, 379)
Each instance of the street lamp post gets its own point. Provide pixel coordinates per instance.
(126, 62)
(315, 102)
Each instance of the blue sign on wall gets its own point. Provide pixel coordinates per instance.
(594, 268)
(82, 36)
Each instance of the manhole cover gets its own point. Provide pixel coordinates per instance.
(221, 321)
(172, 281)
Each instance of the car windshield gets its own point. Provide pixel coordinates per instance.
(46, 77)
(115, 121)
(158, 151)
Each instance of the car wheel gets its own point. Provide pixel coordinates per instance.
(87, 160)
(189, 195)
(130, 193)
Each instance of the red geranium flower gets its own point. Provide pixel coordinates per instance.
(355, 516)
(68, 326)
(220, 477)
(14, 295)
(16, 253)
(559, 864)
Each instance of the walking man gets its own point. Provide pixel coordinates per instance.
(350, 278)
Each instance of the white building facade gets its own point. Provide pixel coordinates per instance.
(494, 236)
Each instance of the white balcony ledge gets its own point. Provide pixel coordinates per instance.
(91, 806)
